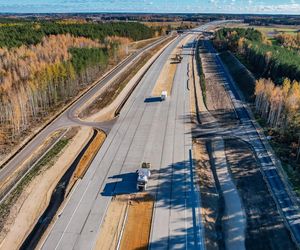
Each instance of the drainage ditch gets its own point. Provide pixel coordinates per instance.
(56, 200)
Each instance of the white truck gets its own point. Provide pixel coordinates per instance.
(164, 95)
(143, 175)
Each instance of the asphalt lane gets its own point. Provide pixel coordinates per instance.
(157, 132)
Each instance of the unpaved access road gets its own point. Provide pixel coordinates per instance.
(230, 209)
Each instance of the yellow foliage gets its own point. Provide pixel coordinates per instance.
(278, 104)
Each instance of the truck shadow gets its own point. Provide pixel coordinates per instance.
(153, 99)
(121, 184)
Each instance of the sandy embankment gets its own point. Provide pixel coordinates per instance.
(26, 211)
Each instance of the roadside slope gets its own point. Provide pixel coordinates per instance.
(39, 192)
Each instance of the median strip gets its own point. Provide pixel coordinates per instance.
(87, 158)
(127, 223)
(166, 77)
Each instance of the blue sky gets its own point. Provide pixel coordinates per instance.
(191, 6)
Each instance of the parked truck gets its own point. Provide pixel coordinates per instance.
(143, 175)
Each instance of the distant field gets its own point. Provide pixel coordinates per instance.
(271, 30)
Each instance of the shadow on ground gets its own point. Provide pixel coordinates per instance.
(265, 227)
(153, 99)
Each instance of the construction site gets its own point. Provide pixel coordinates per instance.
(160, 153)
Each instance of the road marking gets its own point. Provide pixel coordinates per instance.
(78, 204)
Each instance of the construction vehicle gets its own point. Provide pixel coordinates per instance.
(143, 175)
(177, 59)
(164, 95)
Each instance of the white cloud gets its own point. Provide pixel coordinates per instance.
(272, 9)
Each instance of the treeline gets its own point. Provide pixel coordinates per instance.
(32, 33)
(279, 106)
(35, 79)
(271, 20)
(229, 37)
(269, 61)
(42, 74)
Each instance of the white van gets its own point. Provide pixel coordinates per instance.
(164, 95)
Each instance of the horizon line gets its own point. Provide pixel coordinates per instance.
(138, 12)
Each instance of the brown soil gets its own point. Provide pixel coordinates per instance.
(138, 208)
(87, 158)
(209, 194)
(89, 154)
(165, 80)
(119, 84)
(217, 100)
(111, 227)
(138, 226)
(265, 227)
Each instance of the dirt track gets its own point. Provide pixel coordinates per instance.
(218, 102)
(265, 227)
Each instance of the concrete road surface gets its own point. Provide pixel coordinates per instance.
(68, 118)
(153, 131)
(234, 218)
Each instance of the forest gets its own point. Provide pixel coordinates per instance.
(277, 92)
(279, 106)
(27, 33)
(45, 64)
(266, 59)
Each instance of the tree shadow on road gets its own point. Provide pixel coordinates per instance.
(265, 226)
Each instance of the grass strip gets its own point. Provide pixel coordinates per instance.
(46, 162)
(201, 73)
